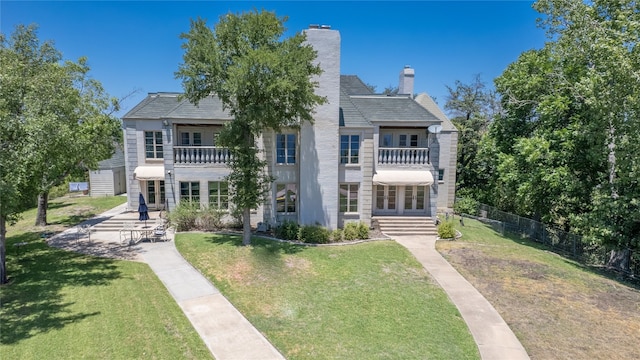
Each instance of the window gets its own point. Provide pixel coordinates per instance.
(190, 139)
(441, 175)
(348, 198)
(190, 191)
(286, 195)
(286, 149)
(219, 194)
(387, 140)
(153, 144)
(409, 140)
(349, 149)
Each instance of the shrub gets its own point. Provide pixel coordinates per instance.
(363, 231)
(183, 218)
(446, 230)
(336, 235)
(313, 234)
(466, 205)
(350, 231)
(288, 230)
(210, 218)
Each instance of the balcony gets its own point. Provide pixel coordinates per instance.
(403, 156)
(201, 155)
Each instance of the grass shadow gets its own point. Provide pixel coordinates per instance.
(33, 302)
(57, 205)
(269, 246)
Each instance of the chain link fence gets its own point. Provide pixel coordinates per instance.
(571, 245)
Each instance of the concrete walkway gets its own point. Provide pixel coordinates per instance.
(230, 336)
(225, 331)
(495, 339)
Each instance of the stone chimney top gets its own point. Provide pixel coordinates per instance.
(405, 85)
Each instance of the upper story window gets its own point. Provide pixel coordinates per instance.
(286, 149)
(190, 139)
(349, 149)
(387, 140)
(153, 144)
(408, 140)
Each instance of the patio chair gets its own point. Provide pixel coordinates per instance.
(159, 233)
(82, 230)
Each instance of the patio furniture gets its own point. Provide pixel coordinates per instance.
(82, 230)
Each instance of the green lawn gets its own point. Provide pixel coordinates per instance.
(62, 305)
(558, 308)
(365, 301)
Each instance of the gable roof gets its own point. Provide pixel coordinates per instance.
(427, 102)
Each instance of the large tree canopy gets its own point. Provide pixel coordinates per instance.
(53, 121)
(568, 139)
(264, 81)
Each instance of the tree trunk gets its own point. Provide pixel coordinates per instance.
(3, 252)
(43, 205)
(246, 226)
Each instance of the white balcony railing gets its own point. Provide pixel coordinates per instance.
(193, 155)
(403, 156)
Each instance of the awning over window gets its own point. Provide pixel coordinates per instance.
(403, 177)
(149, 173)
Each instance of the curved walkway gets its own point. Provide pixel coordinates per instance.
(229, 335)
(495, 339)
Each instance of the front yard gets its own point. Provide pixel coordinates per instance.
(365, 301)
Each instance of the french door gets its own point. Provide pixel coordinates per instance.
(399, 200)
(386, 199)
(155, 194)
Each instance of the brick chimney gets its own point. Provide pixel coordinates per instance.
(405, 85)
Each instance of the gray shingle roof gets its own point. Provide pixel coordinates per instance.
(391, 108)
(170, 106)
(117, 160)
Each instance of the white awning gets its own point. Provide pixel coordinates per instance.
(149, 173)
(403, 177)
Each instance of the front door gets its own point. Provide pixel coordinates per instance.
(155, 194)
(386, 199)
(414, 199)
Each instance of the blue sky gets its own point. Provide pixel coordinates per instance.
(135, 45)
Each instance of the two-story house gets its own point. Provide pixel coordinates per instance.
(365, 154)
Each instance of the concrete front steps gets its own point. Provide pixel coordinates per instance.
(405, 225)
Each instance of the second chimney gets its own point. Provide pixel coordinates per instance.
(405, 85)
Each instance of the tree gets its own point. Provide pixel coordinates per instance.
(51, 122)
(572, 109)
(264, 81)
(472, 106)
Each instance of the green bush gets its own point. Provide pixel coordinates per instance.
(336, 235)
(466, 205)
(350, 232)
(184, 217)
(210, 218)
(288, 230)
(313, 234)
(363, 231)
(446, 230)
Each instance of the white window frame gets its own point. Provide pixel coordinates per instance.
(221, 197)
(349, 150)
(190, 190)
(349, 196)
(288, 152)
(286, 198)
(157, 147)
